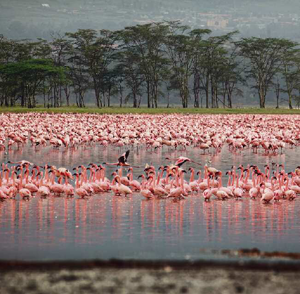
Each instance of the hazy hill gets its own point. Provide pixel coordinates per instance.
(37, 18)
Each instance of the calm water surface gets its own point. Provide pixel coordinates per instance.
(106, 226)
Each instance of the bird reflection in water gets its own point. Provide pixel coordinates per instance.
(105, 221)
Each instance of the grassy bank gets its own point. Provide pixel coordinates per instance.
(118, 110)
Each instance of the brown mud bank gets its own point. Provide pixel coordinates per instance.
(117, 276)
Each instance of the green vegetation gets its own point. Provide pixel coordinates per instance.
(151, 62)
(144, 110)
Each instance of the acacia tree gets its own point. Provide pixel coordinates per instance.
(102, 55)
(78, 62)
(264, 58)
(146, 40)
(131, 72)
(30, 74)
(90, 58)
(290, 69)
(197, 37)
(61, 48)
(6, 56)
(180, 50)
(214, 67)
(23, 65)
(232, 77)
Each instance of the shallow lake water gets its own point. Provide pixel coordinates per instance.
(106, 226)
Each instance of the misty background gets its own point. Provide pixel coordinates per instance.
(33, 19)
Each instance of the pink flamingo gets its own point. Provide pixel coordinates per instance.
(144, 190)
(122, 188)
(135, 185)
(178, 192)
(43, 190)
(56, 188)
(81, 192)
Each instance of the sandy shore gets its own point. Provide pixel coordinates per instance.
(163, 278)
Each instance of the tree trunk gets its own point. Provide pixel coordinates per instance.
(229, 100)
(207, 92)
(60, 96)
(262, 98)
(121, 95)
(97, 94)
(77, 102)
(6, 103)
(155, 95)
(212, 94)
(277, 91)
(67, 94)
(290, 100)
(217, 98)
(103, 95)
(148, 94)
(196, 91)
(23, 95)
(108, 97)
(261, 103)
(134, 100)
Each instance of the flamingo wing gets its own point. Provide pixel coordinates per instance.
(123, 158)
(180, 162)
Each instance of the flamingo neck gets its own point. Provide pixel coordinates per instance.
(192, 178)
(182, 181)
(177, 179)
(7, 176)
(233, 178)
(199, 179)
(205, 172)
(220, 181)
(247, 176)
(77, 181)
(228, 182)
(41, 180)
(91, 176)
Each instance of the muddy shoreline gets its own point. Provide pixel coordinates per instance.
(253, 265)
(116, 276)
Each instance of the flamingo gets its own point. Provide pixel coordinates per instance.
(178, 192)
(68, 188)
(288, 193)
(238, 192)
(122, 188)
(193, 183)
(56, 188)
(253, 192)
(222, 192)
(207, 193)
(157, 190)
(81, 192)
(267, 194)
(43, 190)
(135, 185)
(144, 190)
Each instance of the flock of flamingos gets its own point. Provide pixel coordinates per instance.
(267, 135)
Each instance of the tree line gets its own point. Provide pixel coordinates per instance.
(145, 64)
